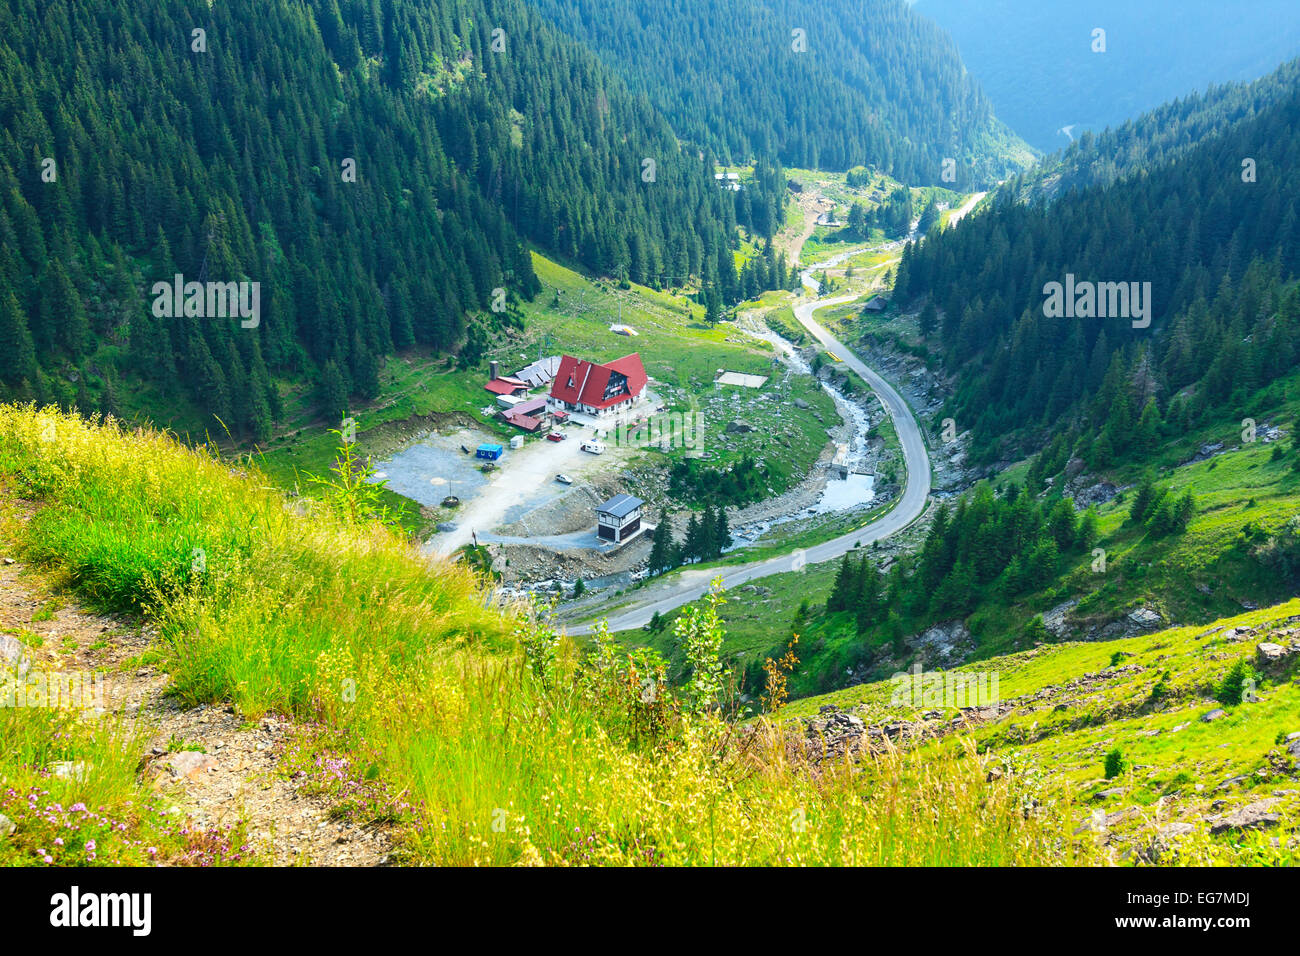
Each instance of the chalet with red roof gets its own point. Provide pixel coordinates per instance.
(505, 385)
(595, 389)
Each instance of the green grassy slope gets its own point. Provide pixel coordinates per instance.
(1146, 697)
(472, 736)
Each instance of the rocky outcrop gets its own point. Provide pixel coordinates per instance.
(950, 642)
(1254, 816)
(1276, 659)
(1057, 619)
(835, 733)
(1138, 621)
(1292, 744)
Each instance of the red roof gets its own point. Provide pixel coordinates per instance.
(505, 386)
(599, 386)
(528, 407)
(527, 422)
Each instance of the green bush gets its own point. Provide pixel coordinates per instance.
(1115, 764)
(1235, 685)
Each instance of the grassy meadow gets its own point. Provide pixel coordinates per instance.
(482, 737)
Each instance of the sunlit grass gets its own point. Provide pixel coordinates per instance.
(285, 606)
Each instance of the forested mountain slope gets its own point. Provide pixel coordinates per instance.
(1035, 58)
(1152, 139)
(874, 84)
(135, 149)
(1212, 246)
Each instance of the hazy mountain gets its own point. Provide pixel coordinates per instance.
(1035, 61)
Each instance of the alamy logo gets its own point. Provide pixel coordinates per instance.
(209, 300)
(665, 430)
(72, 690)
(133, 910)
(918, 689)
(1099, 300)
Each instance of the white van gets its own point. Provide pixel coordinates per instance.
(593, 446)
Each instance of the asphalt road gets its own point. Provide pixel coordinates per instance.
(689, 584)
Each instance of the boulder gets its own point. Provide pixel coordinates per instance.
(7, 826)
(192, 765)
(13, 654)
(1232, 782)
(1293, 748)
(1213, 715)
(1254, 816)
(1272, 657)
(1145, 617)
(1165, 839)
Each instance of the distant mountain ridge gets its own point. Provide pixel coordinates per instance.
(1150, 140)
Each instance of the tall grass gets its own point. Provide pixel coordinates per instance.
(413, 668)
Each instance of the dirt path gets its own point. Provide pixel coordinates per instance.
(791, 242)
(216, 767)
(961, 213)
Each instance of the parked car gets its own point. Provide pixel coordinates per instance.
(563, 479)
(556, 436)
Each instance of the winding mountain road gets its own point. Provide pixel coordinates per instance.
(690, 584)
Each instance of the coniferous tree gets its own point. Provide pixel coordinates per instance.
(842, 596)
(19, 363)
(1143, 500)
(722, 536)
(708, 534)
(691, 549)
(661, 550)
